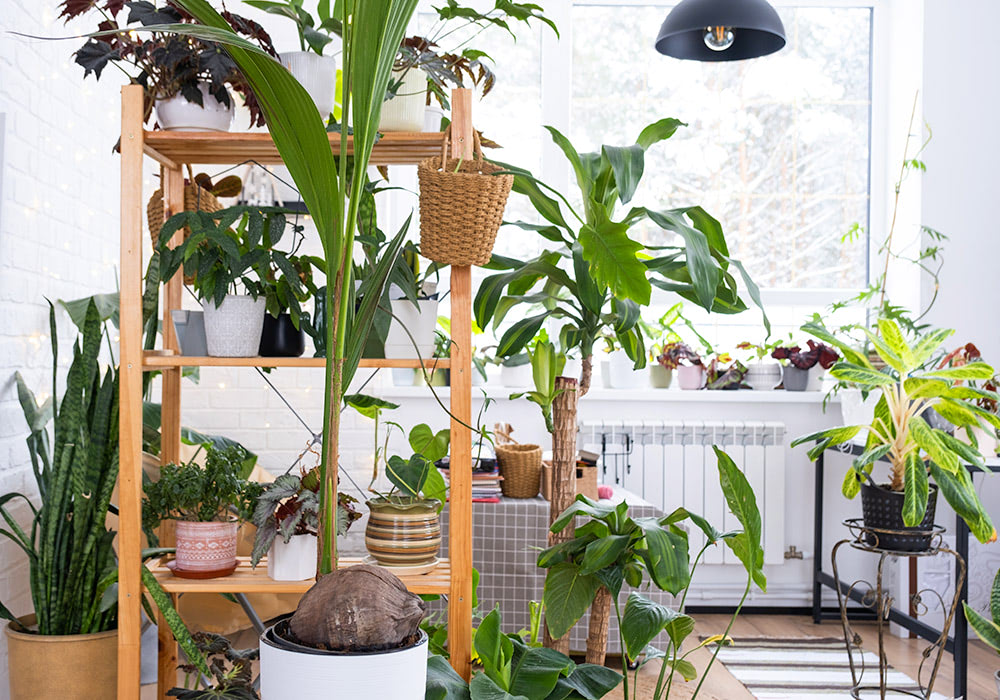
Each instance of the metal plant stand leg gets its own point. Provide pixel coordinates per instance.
(880, 602)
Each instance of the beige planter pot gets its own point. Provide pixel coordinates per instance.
(205, 550)
(403, 535)
(61, 667)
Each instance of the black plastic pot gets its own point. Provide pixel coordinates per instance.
(882, 509)
(280, 338)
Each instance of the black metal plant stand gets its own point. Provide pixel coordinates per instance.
(880, 601)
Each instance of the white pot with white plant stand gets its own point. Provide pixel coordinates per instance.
(178, 114)
(405, 111)
(294, 560)
(622, 372)
(233, 328)
(318, 75)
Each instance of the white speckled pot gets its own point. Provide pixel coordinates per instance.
(233, 329)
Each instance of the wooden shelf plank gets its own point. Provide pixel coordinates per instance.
(248, 580)
(156, 361)
(178, 147)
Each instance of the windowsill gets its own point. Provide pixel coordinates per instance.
(631, 395)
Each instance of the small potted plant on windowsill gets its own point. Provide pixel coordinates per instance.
(287, 520)
(902, 511)
(724, 373)
(686, 363)
(799, 374)
(761, 374)
(208, 504)
(185, 79)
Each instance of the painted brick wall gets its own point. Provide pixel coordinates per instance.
(58, 227)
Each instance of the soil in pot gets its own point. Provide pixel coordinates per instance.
(882, 509)
(280, 338)
(61, 667)
(403, 534)
(205, 550)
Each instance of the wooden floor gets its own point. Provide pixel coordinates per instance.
(904, 654)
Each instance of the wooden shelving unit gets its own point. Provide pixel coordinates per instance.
(174, 150)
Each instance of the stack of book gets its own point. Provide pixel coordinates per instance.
(485, 479)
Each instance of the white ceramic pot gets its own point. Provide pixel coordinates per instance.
(623, 372)
(405, 111)
(294, 560)
(659, 376)
(233, 329)
(294, 675)
(433, 114)
(690, 377)
(404, 377)
(763, 376)
(177, 114)
(420, 321)
(516, 377)
(318, 75)
(856, 410)
(816, 375)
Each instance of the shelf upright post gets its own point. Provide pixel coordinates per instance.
(130, 397)
(460, 507)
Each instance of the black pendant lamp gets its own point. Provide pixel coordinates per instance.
(721, 30)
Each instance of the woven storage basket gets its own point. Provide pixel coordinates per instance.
(196, 198)
(521, 467)
(461, 206)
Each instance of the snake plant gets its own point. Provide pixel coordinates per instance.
(69, 548)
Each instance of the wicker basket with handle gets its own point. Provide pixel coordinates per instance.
(521, 467)
(196, 198)
(461, 206)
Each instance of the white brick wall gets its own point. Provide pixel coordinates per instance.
(58, 227)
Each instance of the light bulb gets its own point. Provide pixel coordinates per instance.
(719, 38)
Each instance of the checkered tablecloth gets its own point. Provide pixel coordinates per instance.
(506, 539)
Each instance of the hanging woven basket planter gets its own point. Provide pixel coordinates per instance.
(461, 206)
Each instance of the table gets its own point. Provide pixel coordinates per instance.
(957, 645)
(505, 543)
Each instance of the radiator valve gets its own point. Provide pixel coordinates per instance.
(793, 553)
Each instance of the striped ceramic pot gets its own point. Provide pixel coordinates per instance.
(401, 534)
(205, 550)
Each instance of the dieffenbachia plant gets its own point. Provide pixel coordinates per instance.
(596, 277)
(372, 32)
(899, 431)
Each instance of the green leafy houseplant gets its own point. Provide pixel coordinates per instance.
(513, 669)
(547, 363)
(899, 431)
(611, 549)
(231, 671)
(71, 560)
(596, 277)
(219, 491)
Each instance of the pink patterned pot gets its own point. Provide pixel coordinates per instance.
(205, 550)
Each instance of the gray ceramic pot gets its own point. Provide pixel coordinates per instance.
(190, 329)
(795, 379)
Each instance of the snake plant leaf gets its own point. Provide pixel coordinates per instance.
(613, 259)
(915, 497)
(995, 598)
(986, 629)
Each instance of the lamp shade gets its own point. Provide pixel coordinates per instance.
(756, 30)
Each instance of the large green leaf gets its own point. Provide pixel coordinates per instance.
(986, 629)
(424, 441)
(961, 495)
(583, 177)
(443, 683)
(658, 131)
(928, 344)
(536, 670)
(369, 406)
(643, 619)
(855, 374)
(567, 595)
(483, 687)
(587, 681)
(743, 504)
(627, 164)
(582, 505)
(704, 270)
(894, 339)
(520, 334)
(666, 556)
(932, 444)
(613, 259)
(603, 552)
(915, 498)
(834, 435)
(973, 370)
(495, 650)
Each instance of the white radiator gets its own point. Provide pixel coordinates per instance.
(671, 465)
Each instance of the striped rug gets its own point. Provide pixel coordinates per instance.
(808, 667)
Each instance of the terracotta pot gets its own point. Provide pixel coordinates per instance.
(205, 550)
(61, 667)
(403, 534)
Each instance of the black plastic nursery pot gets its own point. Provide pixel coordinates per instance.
(882, 509)
(280, 338)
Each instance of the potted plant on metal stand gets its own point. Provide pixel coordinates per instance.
(899, 514)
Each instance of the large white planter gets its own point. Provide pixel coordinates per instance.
(420, 321)
(294, 560)
(318, 75)
(233, 329)
(297, 675)
(622, 373)
(405, 111)
(177, 114)
(763, 376)
(816, 375)
(518, 377)
(856, 410)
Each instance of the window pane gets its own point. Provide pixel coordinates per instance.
(776, 149)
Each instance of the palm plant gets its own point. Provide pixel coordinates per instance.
(900, 432)
(71, 560)
(372, 32)
(596, 277)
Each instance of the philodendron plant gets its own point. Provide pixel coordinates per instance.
(899, 431)
(612, 548)
(595, 277)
